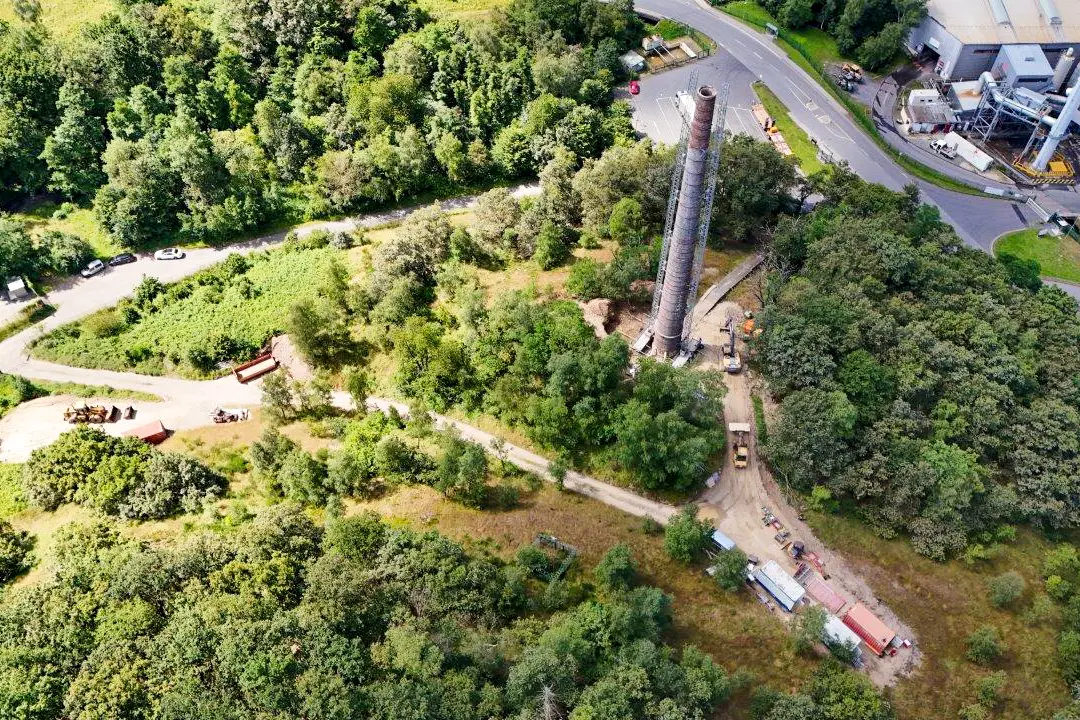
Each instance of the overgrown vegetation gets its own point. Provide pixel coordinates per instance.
(122, 477)
(328, 624)
(916, 382)
(218, 316)
(34, 312)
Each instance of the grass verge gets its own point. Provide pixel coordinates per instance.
(35, 312)
(805, 152)
(12, 501)
(1058, 257)
(807, 56)
(759, 420)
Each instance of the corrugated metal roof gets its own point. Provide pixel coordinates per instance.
(723, 540)
(838, 632)
(780, 584)
(978, 22)
(874, 631)
(824, 594)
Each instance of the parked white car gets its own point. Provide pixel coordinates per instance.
(169, 254)
(92, 269)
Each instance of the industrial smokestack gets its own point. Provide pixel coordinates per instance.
(1061, 70)
(1058, 130)
(684, 233)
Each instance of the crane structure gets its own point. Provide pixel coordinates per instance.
(686, 228)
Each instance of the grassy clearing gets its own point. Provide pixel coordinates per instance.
(672, 30)
(1058, 257)
(63, 17)
(80, 221)
(944, 603)
(805, 151)
(461, 8)
(32, 313)
(245, 310)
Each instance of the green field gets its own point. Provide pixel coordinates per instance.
(63, 17)
(80, 221)
(207, 311)
(1058, 257)
(805, 151)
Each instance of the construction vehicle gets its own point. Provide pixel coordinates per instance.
(80, 412)
(731, 360)
(229, 415)
(853, 70)
(740, 446)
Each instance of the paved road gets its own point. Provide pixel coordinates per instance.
(745, 55)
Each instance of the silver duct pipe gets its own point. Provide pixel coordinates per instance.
(989, 84)
(1050, 12)
(684, 233)
(1058, 130)
(1061, 70)
(1001, 15)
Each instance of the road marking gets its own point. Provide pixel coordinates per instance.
(801, 94)
(758, 55)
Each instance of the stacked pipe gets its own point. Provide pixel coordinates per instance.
(684, 234)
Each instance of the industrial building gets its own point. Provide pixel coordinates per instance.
(876, 634)
(784, 588)
(966, 36)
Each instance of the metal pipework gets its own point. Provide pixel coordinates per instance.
(680, 258)
(1058, 130)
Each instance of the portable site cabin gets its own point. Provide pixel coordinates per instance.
(632, 61)
(824, 594)
(151, 433)
(16, 288)
(837, 633)
(787, 591)
(722, 541)
(876, 634)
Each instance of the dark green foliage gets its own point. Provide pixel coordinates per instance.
(730, 567)
(1005, 589)
(753, 186)
(1022, 273)
(366, 620)
(616, 572)
(461, 474)
(685, 536)
(15, 547)
(935, 413)
(123, 477)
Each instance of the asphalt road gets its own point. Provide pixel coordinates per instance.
(746, 55)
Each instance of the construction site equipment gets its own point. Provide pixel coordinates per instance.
(721, 541)
(129, 412)
(229, 415)
(781, 537)
(254, 369)
(797, 549)
(824, 594)
(853, 70)
(740, 446)
(876, 634)
(80, 412)
(152, 433)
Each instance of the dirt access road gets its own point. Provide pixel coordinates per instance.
(734, 506)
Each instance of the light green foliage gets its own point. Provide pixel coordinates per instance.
(219, 315)
(809, 626)
(461, 474)
(1005, 589)
(730, 567)
(12, 495)
(685, 536)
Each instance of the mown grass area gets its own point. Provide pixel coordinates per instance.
(944, 603)
(1058, 257)
(231, 316)
(805, 152)
(63, 17)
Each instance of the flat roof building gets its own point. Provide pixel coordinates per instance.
(967, 35)
(824, 594)
(787, 591)
(836, 632)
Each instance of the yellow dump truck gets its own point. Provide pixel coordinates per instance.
(740, 444)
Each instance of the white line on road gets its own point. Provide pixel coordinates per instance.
(758, 55)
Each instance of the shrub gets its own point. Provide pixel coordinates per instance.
(1006, 588)
(685, 536)
(731, 570)
(172, 482)
(462, 472)
(15, 546)
(106, 323)
(616, 572)
(985, 645)
(535, 560)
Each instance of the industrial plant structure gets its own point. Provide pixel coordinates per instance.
(686, 229)
(966, 36)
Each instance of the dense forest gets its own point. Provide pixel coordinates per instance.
(873, 31)
(283, 618)
(202, 121)
(923, 383)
